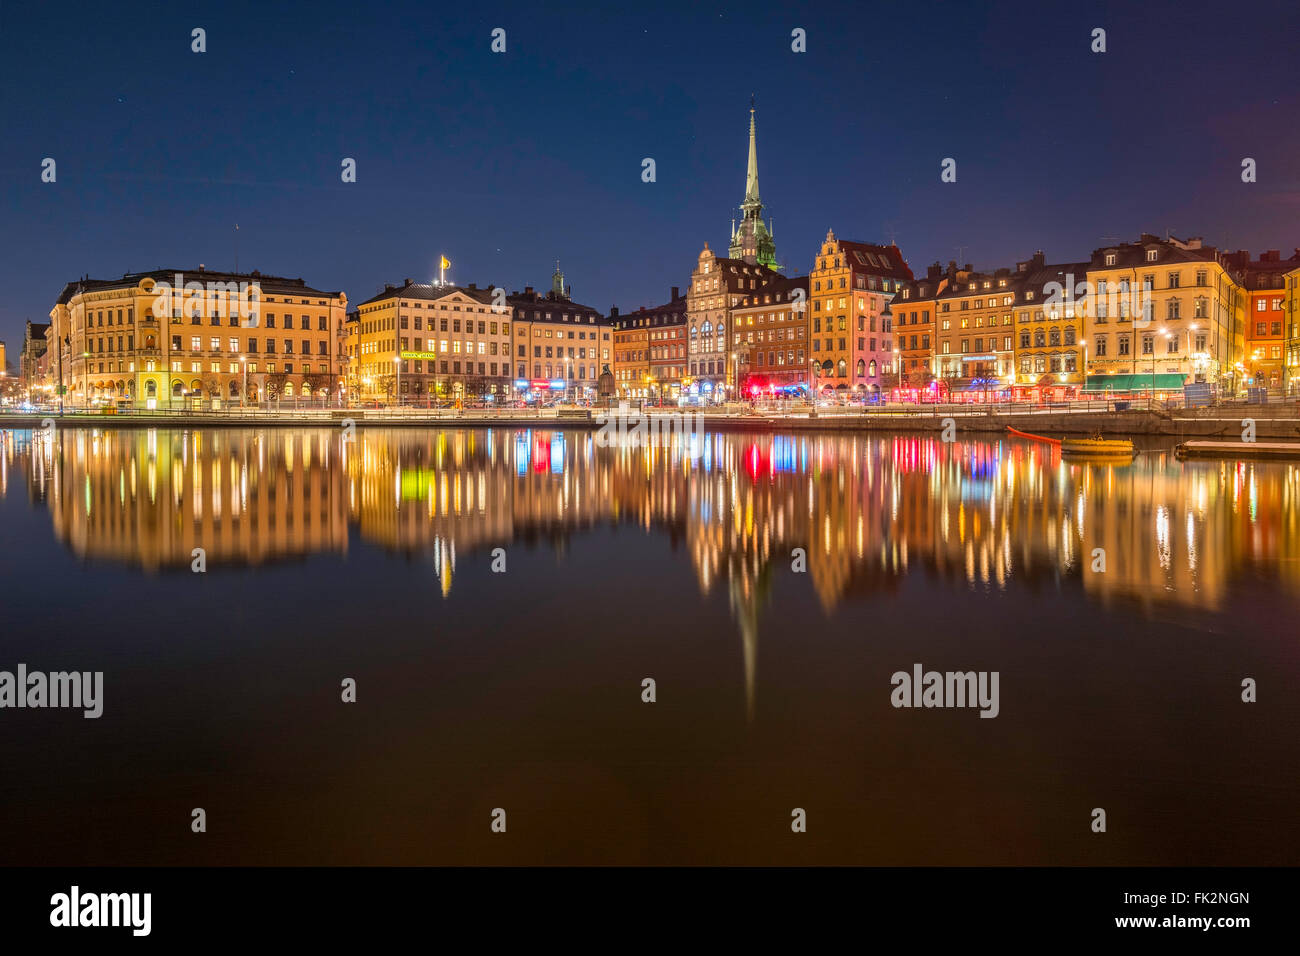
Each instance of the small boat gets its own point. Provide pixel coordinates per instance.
(1042, 438)
(1098, 447)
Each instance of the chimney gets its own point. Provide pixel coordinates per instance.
(1271, 256)
(528, 290)
(472, 287)
(934, 270)
(405, 283)
(613, 312)
(200, 267)
(1040, 260)
(676, 294)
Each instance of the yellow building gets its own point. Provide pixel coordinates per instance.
(1163, 312)
(557, 339)
(454, 343)
(1050, 303)
(1291, 330)
(170, 338)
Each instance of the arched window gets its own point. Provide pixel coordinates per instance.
(872, 369)
(862, 368)
(176, 389)
(151, 389)
(841, 368)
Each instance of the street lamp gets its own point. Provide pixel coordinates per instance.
(397, 381)
(85, 378)
(243, 360)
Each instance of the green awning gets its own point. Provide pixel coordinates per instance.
(1161, 381)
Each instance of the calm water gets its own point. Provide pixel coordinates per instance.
(522, 690)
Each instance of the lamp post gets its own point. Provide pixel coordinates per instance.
(243, 360)
(898, 369)
(397, 380)
(85, 379)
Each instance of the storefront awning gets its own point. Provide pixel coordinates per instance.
(1161, 381)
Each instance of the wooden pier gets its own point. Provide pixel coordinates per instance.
(1240, 450)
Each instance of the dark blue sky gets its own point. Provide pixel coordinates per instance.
(507, 162)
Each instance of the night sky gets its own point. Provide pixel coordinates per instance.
(507, 162)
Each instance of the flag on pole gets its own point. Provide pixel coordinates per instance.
(446, 263)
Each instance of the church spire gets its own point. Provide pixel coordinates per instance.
(752, 240)
(751, 171)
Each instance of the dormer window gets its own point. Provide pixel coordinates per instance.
(1110, 258)
(1151, 255)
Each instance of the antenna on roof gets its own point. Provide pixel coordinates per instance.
(236, 248)
(893, 233)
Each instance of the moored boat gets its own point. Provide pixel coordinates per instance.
(1098, 447)
(1042, 438)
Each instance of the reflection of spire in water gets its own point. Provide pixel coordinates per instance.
(748, 589)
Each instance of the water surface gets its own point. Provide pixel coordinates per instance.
(373, 560)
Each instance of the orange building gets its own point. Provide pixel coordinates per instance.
(1265, 281)
(851, 341)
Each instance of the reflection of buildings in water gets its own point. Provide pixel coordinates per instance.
(431, 492)
(866, 509)
(150, 498)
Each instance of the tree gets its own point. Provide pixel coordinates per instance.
(314, 382)
(920, 377)
(273, 385)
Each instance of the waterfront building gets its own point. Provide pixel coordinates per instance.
(975, 336)
(1264, 279)
(169, 337)
(1050, 301)
(770, 338)
(557, 339)
(631, 368)
(650, 350)
(454, 343)
(851, 342)
(1291, 331)
(912, 318)
(1164, 312)
(717, 286)
(30, 364)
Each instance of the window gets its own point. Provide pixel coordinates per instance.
(1100, 350)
